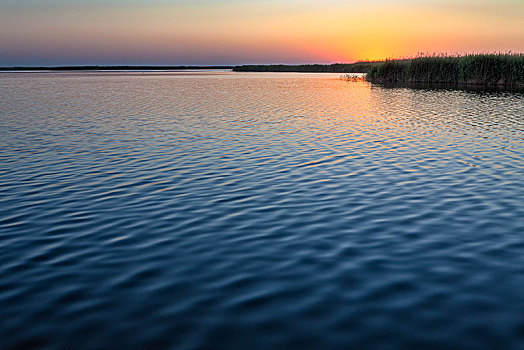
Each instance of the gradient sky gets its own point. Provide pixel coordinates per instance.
(56, 32)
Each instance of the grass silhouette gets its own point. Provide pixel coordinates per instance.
(504, 69)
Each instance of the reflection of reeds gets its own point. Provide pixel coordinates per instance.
(481, 69)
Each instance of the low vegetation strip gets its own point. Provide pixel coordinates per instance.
(358, 67)
(478, 69)
(109, 68)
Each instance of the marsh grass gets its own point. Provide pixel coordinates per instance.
(355, 77)
(358, 67)
(505, 69)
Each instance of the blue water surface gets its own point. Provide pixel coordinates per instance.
(224, 210)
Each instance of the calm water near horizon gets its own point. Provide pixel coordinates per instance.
(220, 210)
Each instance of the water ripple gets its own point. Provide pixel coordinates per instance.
(229, 210)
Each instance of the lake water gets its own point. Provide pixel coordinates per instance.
(223, 210)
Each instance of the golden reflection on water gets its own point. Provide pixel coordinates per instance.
(265, 197)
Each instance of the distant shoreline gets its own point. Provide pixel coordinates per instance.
(112, 68)
(502, 70)
(359, 67)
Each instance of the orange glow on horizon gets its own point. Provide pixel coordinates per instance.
(252, 31)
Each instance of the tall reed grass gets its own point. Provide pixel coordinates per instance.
(479, 69)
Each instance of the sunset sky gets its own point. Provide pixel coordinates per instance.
(58, 32)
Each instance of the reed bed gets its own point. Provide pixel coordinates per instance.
(502, 69)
